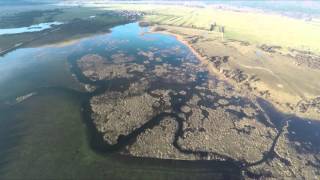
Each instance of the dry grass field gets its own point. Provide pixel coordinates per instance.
(253, 27)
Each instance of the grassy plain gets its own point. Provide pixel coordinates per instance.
(254, 27)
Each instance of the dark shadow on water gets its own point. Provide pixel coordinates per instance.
(303, 130)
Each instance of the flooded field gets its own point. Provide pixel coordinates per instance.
(130, 101)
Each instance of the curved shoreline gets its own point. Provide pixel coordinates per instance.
(202, 59)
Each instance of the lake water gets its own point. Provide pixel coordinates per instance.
(48, 135)
(32, 28)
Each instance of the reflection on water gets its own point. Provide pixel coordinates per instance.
(32, 28)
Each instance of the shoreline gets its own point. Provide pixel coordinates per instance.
(202, 59)
(253, 94)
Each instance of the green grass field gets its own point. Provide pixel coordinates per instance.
(253, 27)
